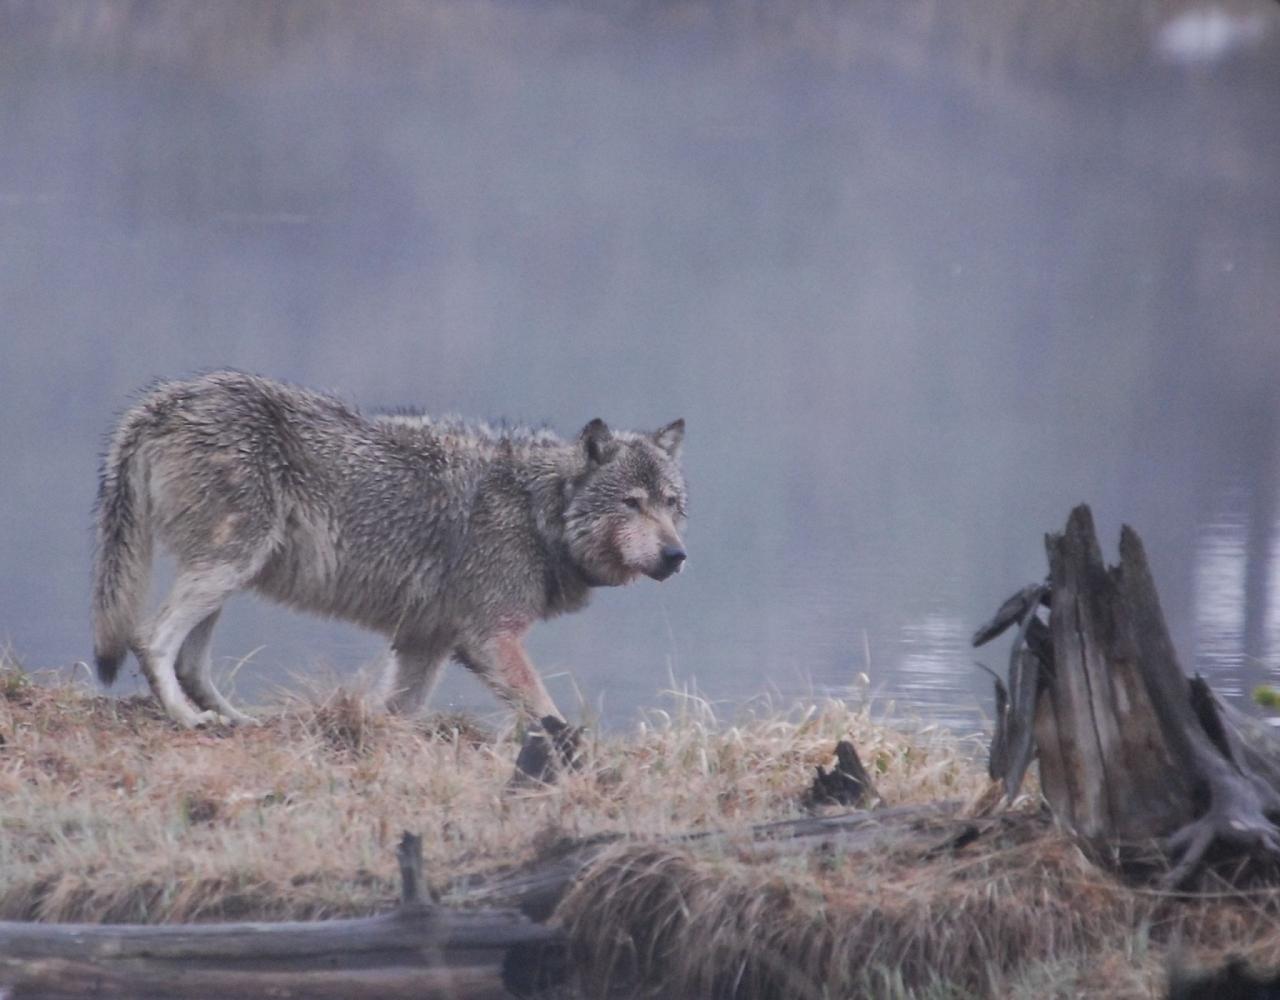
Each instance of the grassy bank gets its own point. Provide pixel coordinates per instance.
(112, 813)
(109, 813)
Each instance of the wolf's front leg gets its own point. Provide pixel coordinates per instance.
(501, 662)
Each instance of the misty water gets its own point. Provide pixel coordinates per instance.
(916, 293)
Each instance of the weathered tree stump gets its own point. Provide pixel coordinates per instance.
(1131, 751)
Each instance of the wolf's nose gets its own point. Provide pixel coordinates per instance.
(672, 557)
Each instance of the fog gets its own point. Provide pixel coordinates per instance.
(919, 276)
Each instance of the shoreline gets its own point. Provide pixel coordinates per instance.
(109, 813)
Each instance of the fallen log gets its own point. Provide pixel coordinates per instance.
(410, 935)
(1131, 752)
(496, 948)
(417, 949)
(64, 979)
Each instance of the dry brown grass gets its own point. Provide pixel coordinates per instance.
(1021, 913)
(110, 813)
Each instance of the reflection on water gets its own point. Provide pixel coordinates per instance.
(920, 277)
(935, 654)
(1221, 574)
(1271, 616)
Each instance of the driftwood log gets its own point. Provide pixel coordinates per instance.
(1132, 753)
(417, 950)
(498, 946)
(56, 979)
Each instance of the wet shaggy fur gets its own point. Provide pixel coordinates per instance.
(448, 537)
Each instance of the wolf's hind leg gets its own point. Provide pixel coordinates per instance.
(197, 594)
(502, 663)
(195, 673)
(412, 674)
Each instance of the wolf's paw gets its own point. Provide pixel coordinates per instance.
(226, 718)
(201, 720)
(235, 718)
(547, 752)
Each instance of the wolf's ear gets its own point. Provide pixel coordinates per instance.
(670, 437)
(596, 439)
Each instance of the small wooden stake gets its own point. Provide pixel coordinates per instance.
(409, 854)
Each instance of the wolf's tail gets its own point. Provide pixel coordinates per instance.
(122, 566)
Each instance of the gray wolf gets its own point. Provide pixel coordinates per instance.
(451, 538)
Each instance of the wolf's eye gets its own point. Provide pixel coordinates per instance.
(632, 502)
(672, 502)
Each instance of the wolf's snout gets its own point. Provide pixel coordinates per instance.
(673, 557)
(670, 559)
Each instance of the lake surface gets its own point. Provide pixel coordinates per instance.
(917, 292)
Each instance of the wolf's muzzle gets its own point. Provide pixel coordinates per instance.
(673, 558)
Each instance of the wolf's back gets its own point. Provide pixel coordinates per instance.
(122, 562)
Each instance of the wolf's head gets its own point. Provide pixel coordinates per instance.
(627, 507)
